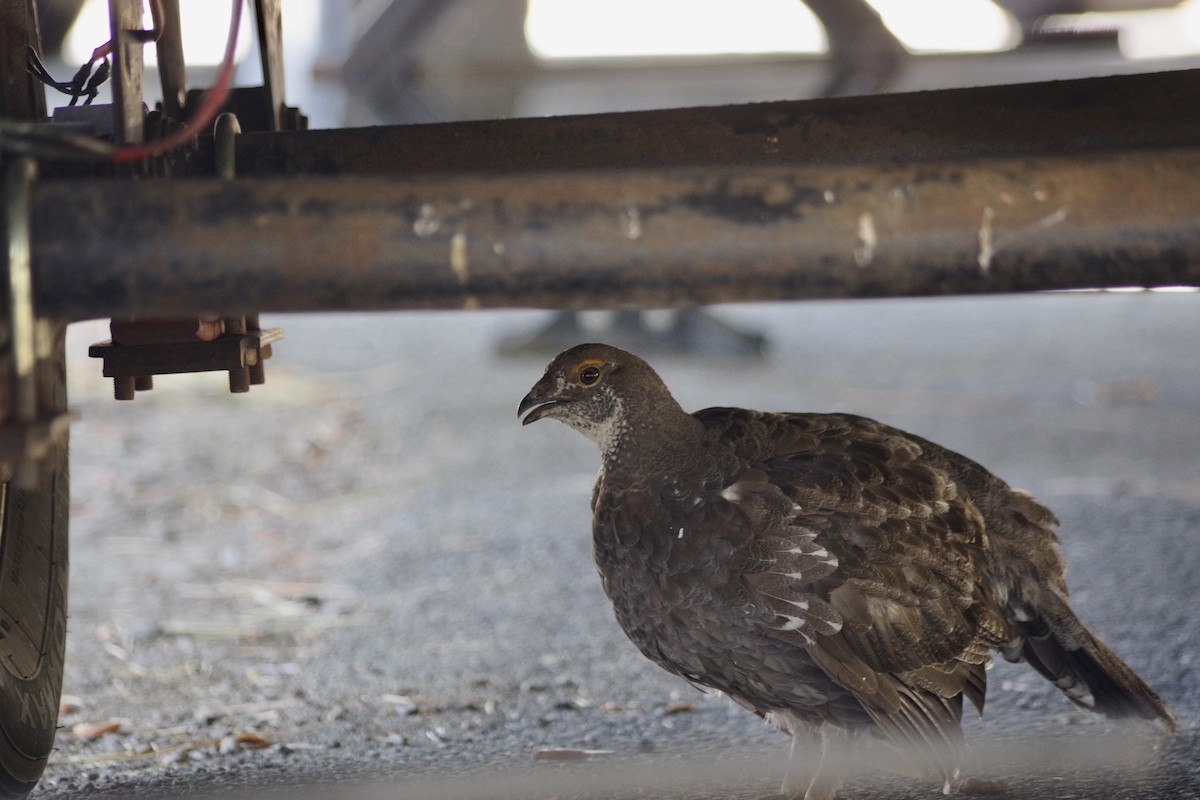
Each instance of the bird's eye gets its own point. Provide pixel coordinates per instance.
(589, 376)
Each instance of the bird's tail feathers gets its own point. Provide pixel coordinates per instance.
(1054, 642)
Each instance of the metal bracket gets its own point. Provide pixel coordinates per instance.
(27, 435)
(133, 366)
(142, 348)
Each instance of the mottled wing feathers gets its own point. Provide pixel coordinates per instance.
(1027, 568)
(876, 567)
(789, 561)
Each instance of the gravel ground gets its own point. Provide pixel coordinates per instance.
(367, 573)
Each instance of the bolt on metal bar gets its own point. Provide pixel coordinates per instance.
(225, 132)
(650, 237)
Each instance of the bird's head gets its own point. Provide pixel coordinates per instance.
(593, 388)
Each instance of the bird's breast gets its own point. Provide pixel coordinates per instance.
(675, 544)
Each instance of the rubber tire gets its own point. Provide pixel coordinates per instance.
(33, 600)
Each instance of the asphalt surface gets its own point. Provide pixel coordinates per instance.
(367, 575)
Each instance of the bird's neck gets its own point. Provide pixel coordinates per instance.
(661, 439)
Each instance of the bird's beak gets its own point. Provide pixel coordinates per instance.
(536, 406)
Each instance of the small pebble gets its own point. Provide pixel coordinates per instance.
(92, 730)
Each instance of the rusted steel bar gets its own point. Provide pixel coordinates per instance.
(653, 237)
(125, 17)
(21, 95)
(268, 15)
(172, 71)
(1058, 117)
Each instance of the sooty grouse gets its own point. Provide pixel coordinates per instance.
(830, 573)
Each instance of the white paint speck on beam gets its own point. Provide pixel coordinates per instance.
(987, 247)
(868, 240)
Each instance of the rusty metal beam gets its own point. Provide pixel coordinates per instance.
(590, 239)
(1058, 117)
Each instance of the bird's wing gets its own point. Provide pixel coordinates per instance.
(871, 560)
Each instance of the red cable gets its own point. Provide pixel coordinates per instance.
(214, 99)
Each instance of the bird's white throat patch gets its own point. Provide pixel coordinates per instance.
(606, 433)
